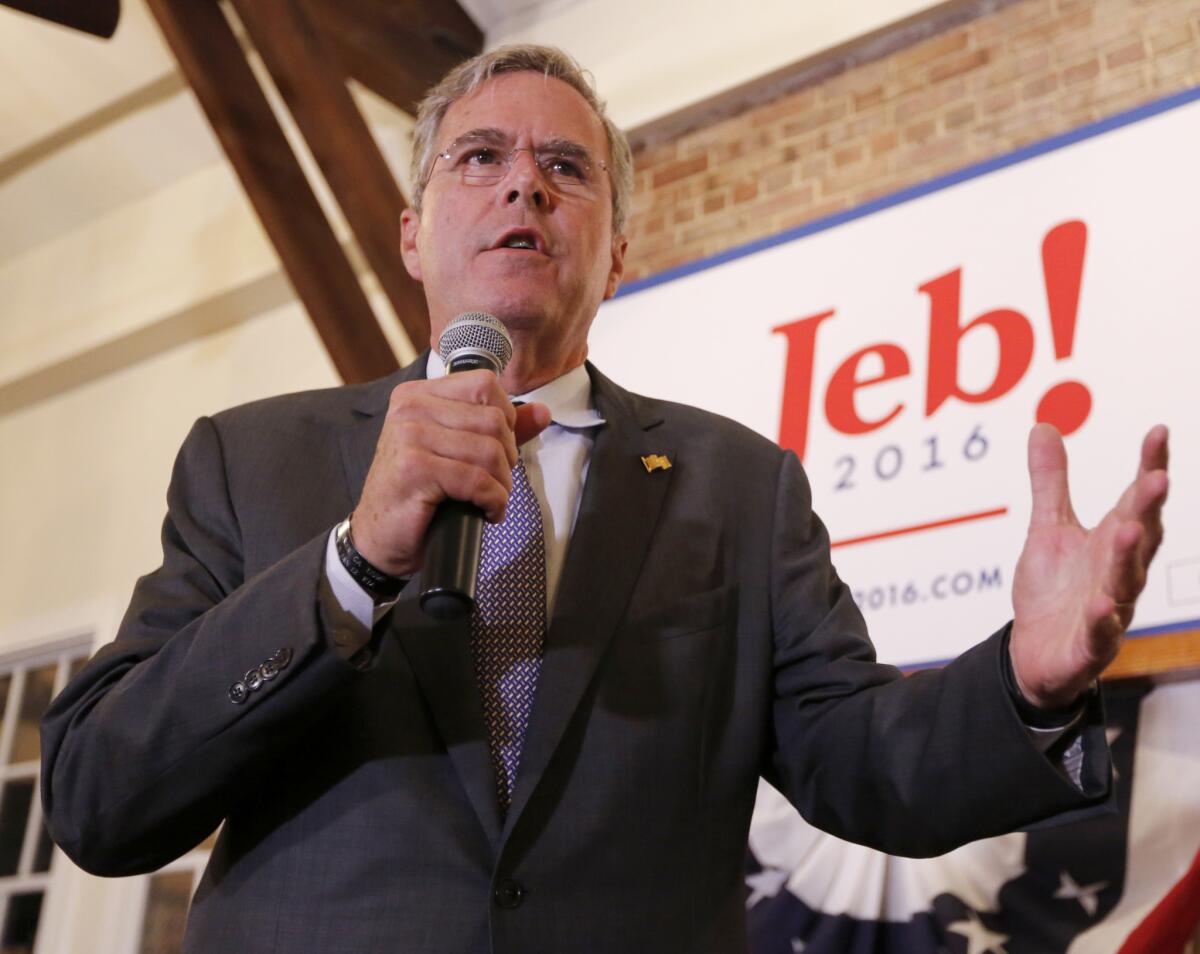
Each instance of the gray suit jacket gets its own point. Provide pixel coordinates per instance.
(700, 638)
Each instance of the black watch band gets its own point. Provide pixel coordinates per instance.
(381, 586)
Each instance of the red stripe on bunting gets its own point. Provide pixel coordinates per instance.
(1172, 924)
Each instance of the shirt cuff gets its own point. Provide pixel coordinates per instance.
(1044, 739)
(351, 609)
(1056, 733)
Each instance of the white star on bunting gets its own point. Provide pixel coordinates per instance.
(1086, 896)
(765, 884)
(980, 940)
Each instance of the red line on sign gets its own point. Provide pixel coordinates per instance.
(917, 528)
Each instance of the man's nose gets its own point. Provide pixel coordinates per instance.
(525, 182)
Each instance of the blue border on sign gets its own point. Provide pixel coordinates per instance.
(1041, 148)
(1032, 151)
(1132, 634)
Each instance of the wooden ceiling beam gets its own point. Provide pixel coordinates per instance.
(98, 17)
(215, 66)
(313, 85)
(397, 50)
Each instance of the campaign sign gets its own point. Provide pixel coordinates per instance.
(904, 349)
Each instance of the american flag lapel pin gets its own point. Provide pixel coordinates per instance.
(653, 462)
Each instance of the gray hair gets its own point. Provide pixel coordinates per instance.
(547, 60)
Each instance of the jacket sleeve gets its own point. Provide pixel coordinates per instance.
(210, 675)
(912, 765)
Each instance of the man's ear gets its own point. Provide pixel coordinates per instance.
(617, 268)
(410, 225)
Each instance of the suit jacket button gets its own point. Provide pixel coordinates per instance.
(508, 894)
(253, 679)
(238, 693)
(268, 670)
(282, 657)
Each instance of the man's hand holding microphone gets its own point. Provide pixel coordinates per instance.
(445, 457)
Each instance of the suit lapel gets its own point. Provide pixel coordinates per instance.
(439, 654)
(618, 512)
(359, 439)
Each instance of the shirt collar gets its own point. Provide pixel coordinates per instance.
(569, 396)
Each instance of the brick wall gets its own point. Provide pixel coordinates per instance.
(980, 89)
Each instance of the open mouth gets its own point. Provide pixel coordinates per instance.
(521, 239)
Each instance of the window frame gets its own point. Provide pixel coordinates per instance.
(65, 653)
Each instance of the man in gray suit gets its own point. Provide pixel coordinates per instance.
(384, 781)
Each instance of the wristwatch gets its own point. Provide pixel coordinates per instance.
(381, 586)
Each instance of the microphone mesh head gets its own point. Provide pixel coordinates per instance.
(477, 331)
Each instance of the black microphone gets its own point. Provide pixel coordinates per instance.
(472, 340)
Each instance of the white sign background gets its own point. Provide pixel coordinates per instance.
(705, 337)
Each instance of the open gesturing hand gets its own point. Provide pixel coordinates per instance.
(1074, 590)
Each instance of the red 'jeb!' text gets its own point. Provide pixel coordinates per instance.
(1066, 405)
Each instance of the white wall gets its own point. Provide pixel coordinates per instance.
(85, 489)
(652, 58)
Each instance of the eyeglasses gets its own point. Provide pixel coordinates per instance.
(566, 166)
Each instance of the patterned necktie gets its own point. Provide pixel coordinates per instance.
(508, 626)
